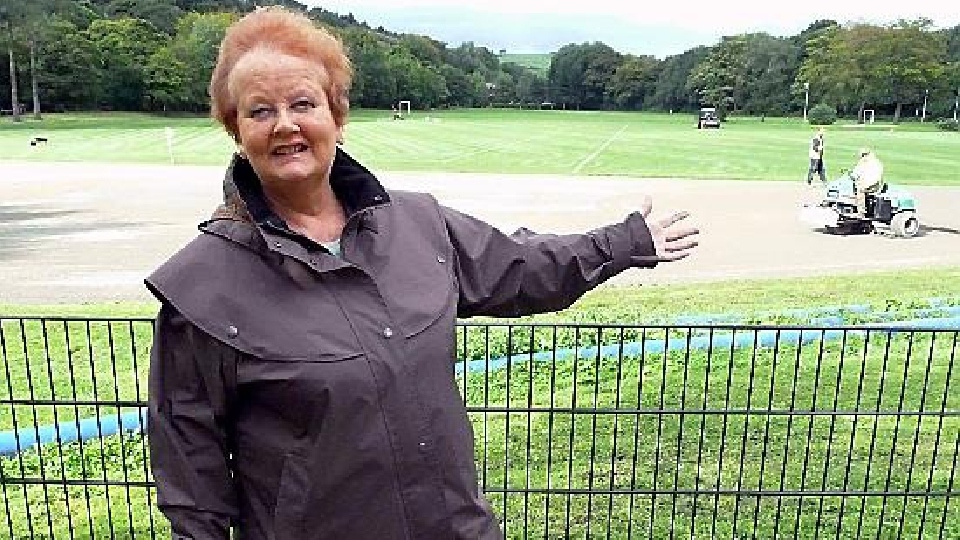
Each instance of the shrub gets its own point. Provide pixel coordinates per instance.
(949, 124)
(822, 115)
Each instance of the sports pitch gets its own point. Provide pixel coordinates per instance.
(76, 228)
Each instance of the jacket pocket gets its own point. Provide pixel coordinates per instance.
(419, 295)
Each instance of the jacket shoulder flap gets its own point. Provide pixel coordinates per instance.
(240, 296)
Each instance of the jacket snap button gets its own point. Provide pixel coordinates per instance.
(278, 245)
(388, 332)
(232, 331)
(440, 259)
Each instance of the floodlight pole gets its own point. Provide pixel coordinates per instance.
(923, 116)
(806, 99)
(956, 104)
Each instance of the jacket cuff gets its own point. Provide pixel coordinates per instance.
(632, 244)
(187, 524)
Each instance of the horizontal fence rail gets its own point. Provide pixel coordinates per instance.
(581, 431)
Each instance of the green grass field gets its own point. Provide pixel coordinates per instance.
(513, 141)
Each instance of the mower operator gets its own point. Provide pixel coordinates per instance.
(867, 178)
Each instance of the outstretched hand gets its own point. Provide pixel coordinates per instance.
(672, 238)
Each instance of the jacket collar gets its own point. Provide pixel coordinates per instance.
(243, 198)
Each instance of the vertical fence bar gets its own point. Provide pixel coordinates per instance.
(486, 403)
(862, 375)
(813, 417)
(56, 423)
(953, 473)
(896, 435)
(531, 344)
(103, 452)
(683, 406)
(573, 428)
(936, 443)
(873, 435)
(506, 430)
(703, 423)
(656, 461)
(143, 440)
(723, 433)
(833, 423)
(916, 433)
(80, 442)
(36, 424)
(13, 414)
(593, 428)
(766, 427)
(618, 404)
(111, 342)
(792, 410)
(636, 431)
(746, 431)
(550, 420)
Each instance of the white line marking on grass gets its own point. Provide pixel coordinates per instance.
(600, 149)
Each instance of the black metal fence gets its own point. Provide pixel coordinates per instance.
(581, 431)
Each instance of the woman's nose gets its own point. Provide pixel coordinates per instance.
(285, 122)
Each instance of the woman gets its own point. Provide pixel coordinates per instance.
(302, 378)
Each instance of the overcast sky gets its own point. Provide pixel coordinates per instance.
(658, 28)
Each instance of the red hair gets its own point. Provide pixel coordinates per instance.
(288, 32)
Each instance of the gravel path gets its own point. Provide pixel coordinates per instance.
(78, 232)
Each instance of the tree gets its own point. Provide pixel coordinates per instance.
(9, 18)
(68, 56)
(633, 81)
(161, 14)
(672, 92)
(770, 65)
(424, 49)
(580, 74)
(719, 78)
(372, 78)
(907, 62)
(179, 72)
(833, 69)
(166, 77)
(125, 47)
(952, 38)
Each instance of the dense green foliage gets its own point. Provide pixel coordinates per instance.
(822, 115)
(156, 55)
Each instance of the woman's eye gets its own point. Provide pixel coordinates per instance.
(260, 112)
(303, 105)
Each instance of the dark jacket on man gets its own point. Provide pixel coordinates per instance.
(298, 395)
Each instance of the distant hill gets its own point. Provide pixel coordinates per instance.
(537, 62)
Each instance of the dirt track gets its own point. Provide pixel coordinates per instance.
(72, 233)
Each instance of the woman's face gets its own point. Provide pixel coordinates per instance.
(284, 122)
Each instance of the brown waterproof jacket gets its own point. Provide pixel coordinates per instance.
(295, 394)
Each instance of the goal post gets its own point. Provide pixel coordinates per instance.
(868, 116)
(401, 105)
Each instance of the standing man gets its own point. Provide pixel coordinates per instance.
(816, 158)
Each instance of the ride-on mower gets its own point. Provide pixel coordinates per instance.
(891, 206)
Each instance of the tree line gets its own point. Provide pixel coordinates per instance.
(157, 55)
